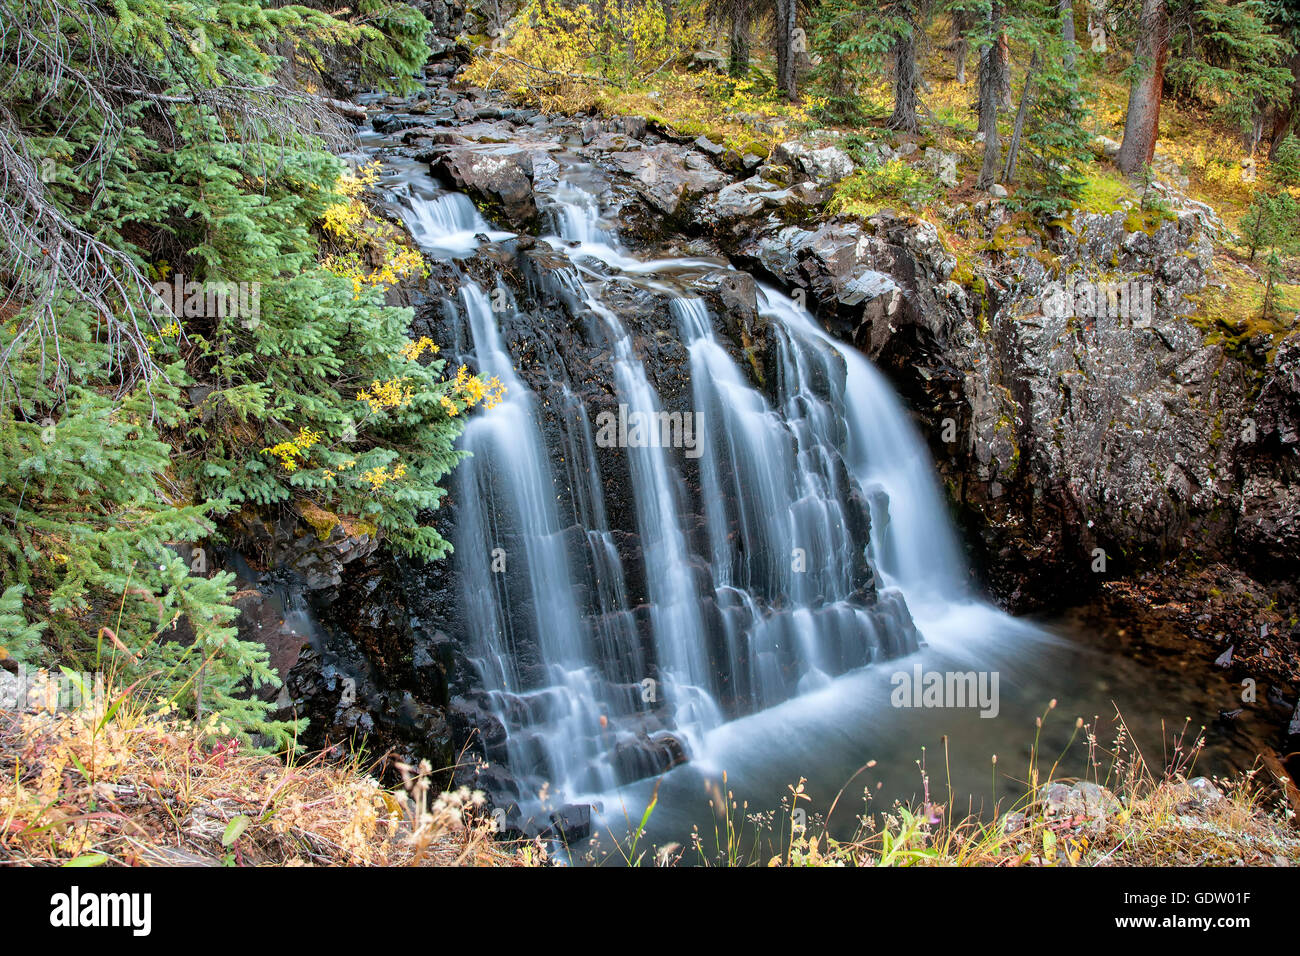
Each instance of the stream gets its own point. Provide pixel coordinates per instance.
(786, 560)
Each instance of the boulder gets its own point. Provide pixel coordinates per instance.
(757, 196)
(824, 165)
(501, 178)
(942, 164)
(667, 177)
(1106, 146)
(1083, 798)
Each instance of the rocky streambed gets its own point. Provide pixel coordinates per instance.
(1121, 457)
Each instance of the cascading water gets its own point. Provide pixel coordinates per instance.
(508, 513)
(822, 529)
(913, 546)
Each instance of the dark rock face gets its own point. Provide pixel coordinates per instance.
(1062, 434)
(374, 676)
(1268, 517)
(500, 179)
(331, 613)
(445, 17)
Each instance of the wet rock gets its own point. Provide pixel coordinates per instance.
(733, 299)
(615, 142)
(262, 619)
(667, 176)
(388, 123)
(372, 671)
(572, 822)
(502, 179)
(646, 756)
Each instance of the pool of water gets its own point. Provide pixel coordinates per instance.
(1105, 671)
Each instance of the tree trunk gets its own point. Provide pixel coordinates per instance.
(960, 24)
(1284, 118)
(786, 74)
(1142, 124)
(1013, 148)
(1003, 63)
(989, 73)
(738, 62)
(1067, 33)
(905, 78)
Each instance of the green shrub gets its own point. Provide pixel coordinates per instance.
(869, 190)
(125, 431)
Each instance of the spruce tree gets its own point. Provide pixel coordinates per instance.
(147, 141)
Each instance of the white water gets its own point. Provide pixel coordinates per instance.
(781, 555)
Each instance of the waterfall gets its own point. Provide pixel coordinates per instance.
(819, 534)
(913, 545)
(446, 224)
(508, 513)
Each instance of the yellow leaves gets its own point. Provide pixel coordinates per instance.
(380, 396)
(412, 351)
(398, 261)
(170, 331)
(379, 476)
(576, 47)
(294, 450)
(366, 239)
(469, 390)
(330, 474)
(352, 185)
(342, 219)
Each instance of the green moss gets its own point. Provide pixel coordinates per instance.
(1146, 220)
(1105, 192)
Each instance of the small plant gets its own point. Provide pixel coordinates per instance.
(1284, 170)
(1273, 277)
(1271, 220)
(869, 190)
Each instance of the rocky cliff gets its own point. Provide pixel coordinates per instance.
(1090, 423)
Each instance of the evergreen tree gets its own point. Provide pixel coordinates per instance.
(153, 140)
(1284, 170)
(1274, 275)
(852, 37)
(844, 48)
(1273, 219)
(1229, 56)
(1146, 89)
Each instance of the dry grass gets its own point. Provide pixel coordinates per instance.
(150, 790)
(1134, 815)
(139, 790)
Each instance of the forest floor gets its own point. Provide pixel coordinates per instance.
(747, 115)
